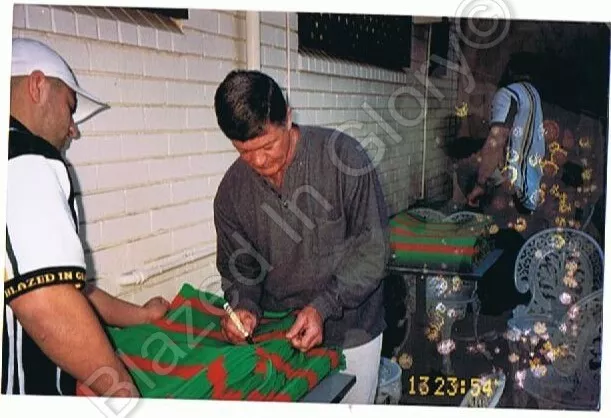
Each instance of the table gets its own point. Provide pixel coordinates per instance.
(331, 389)
(435, 310)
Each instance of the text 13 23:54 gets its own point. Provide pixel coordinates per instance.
(449, 386)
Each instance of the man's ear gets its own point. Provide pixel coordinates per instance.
(37, 86)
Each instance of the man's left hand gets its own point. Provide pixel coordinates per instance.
(156, 308)
(307, 330)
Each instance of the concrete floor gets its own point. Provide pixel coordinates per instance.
(467, 364)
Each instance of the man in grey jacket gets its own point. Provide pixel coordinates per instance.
(301, 224)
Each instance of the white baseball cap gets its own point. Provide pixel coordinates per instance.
(30, 55)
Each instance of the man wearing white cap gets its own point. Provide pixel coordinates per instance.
(53, 335)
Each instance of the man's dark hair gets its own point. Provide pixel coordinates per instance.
(246, 102)
(522, 66)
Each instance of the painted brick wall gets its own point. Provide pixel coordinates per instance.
(147, 168)
(376, 106)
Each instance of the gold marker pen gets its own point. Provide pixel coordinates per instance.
(234, 318)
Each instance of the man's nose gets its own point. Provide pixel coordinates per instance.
(259, 159)
(73, 131)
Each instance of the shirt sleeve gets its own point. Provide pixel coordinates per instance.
(503, 108)
(42, 245)
(241, 270)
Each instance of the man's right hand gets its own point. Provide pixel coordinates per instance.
(231, 331)
(476, 193)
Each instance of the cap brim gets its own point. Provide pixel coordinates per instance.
(87, 105)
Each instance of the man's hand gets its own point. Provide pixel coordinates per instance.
(156, 308)
(121, 313)
(476, 193)
(307, 330)
(231, 331)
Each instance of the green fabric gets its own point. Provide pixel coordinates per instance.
(185, 355)
(418, 242)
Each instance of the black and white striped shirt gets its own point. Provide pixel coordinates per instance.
(42, 249)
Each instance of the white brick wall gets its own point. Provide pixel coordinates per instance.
(340, 94)
(147, 168)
